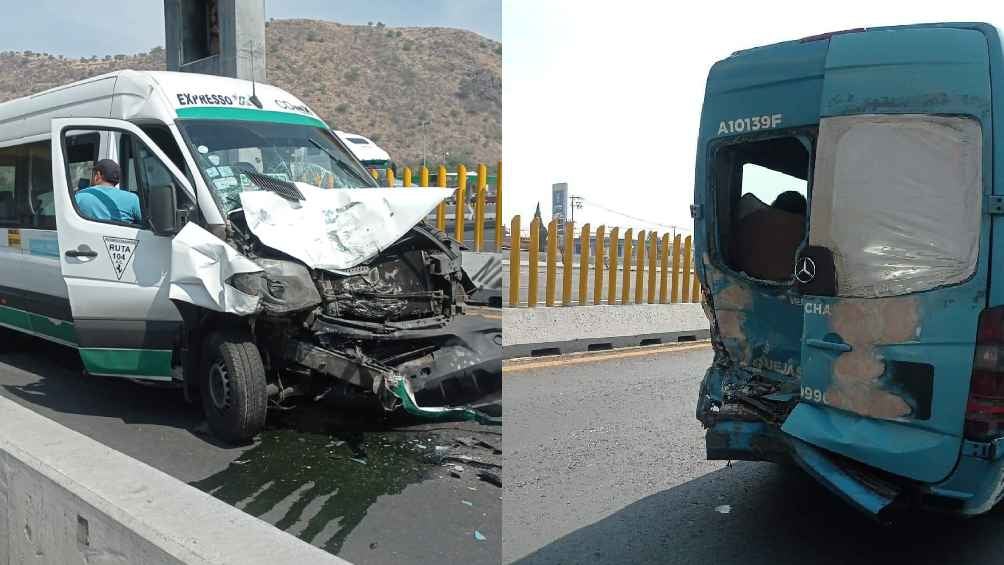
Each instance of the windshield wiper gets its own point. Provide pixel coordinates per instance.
(342, 164)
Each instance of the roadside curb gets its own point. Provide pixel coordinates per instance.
(554, 348)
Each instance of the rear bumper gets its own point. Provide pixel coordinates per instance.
(975, 485)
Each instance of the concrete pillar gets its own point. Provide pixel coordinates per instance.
(217, 37)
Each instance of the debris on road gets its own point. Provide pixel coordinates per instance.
(723, 509)
(490, 478)
(479, 536)
(468, 460)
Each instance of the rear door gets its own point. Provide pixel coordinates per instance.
(895, 273)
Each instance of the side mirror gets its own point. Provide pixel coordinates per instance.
(165, 218)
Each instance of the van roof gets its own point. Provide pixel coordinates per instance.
(983, 26)
(159, 95)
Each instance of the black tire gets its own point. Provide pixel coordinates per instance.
(233, 388)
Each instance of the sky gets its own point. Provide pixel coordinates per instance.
(609, 99)
(75, 28)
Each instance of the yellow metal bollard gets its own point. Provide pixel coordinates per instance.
(566, 264)
(598, 265)
(552, 252)
(531, 297)
(639, 274)
(498, 206)
(612, 276)
(515, 242)
(664, 275)
(479, 208)
(390, 177)
(675, 292)
(461, 197)
(584, 264)
(686, 269)
(423, 181)
(441, 209)
(626, 278)
(653, 266)
(406, 179)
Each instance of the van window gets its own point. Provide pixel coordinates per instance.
(916, 182)
(81, 154)
(760, 190)
(140, 170)
(8, 191)
(40, 194)
(165, 141)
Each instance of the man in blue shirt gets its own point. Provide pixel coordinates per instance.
(103, 201)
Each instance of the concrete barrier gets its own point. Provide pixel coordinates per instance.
(559, 330)
(65, 498)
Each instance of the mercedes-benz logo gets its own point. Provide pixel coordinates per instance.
(806, 270)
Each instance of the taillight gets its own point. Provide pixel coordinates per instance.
(985, 407)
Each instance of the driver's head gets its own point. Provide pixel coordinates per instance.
(106, 173)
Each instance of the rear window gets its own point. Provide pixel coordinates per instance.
(897, 200)
(760, 197)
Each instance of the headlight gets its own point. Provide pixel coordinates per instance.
(248, 283)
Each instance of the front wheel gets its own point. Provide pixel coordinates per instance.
(234, 396)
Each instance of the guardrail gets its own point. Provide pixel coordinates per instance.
(487, 233)
(660, 268)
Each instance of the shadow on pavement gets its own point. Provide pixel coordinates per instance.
(776, 515)
(57, 382)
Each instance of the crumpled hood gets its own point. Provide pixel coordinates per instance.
(337, 229)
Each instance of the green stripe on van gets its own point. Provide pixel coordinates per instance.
(150, 363)
(59, 330)
(127, 362)
(247, 114)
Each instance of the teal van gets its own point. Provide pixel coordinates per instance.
(848, 211)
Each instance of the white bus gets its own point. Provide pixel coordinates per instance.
(266, 266)
(371, 155)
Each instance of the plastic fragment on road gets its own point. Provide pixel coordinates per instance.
(490, 478)
(723, 509)
(479, 536)
(401, 388)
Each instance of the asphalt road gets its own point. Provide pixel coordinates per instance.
(366, 488)
(605, 464)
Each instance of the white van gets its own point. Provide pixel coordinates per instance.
(371, 155)
(255, 276)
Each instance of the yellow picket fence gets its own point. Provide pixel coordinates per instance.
(660, 267)
(479, 240)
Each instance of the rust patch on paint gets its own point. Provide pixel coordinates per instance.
(732, 305)
(865, 325)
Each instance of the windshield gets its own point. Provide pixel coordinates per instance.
(289, 152)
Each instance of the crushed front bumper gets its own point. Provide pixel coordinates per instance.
(445, 372)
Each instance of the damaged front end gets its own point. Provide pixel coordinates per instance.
(350, 299)
(391, 328)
